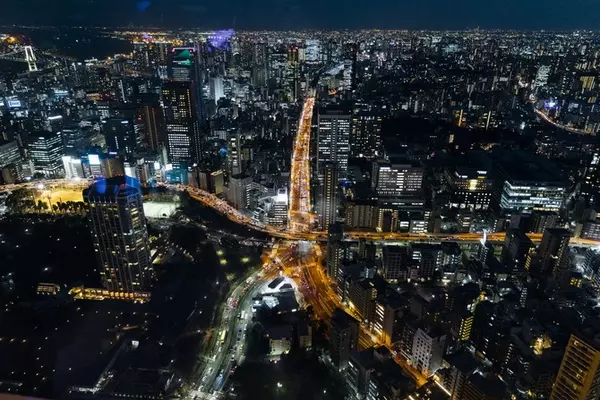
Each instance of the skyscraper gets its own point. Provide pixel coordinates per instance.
(579, 374)
(46, 151)
(553, 248)
(328, 196)
(73, 140)
(335, 249)
(365, 139)
(183, 64)
(591, 179)
(182, 127)
(216, 88)
(234, 154)
(120, 135)
(153, 128)
(333, 141)
(141, 56)
(119, 234)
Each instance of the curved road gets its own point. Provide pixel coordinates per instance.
(221, 206)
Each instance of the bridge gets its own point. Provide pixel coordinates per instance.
(34, 58)
(22, 54)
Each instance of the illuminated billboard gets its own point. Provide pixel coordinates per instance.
(94, 159)
(14, 103)
(183, 56)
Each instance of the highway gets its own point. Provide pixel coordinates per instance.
(545, 117)
(299, 216)
(297, 232)
(226, 346)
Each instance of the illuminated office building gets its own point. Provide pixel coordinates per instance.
(234, 154)
(532, 196)
(333, 141)
(46, 151)
(181, 123)
(470, 188)
(120, 135)
(397, 178)
(591, 179)
(73, 140)
(119, 234)
(335, 250)
(365, 139)
(216, 88)
(141, 56)
(153, 127)
(9, 153)
(527, 183)
(328, 196)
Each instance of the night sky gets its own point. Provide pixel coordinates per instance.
(307, 14)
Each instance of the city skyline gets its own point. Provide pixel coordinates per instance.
(327, 215)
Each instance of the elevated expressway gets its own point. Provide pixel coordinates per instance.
(298, 230)
(299, 210)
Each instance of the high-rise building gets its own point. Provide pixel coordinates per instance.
(525, 182)
(362, 294)
(234, 154)
(396, 263)
(260, 64)
(120, 135)
(151, 118)
(516, 248)
(579, 374)
(471, 188)
(541, 77)
(343, 338)
(333, 141)
(397, 178)
(183, 132)
(10, 161)
(73, 140)
(183, 64)
(46, 151)
(141, 56)
(9, 153)
(237, 193)
(119, 234)
(216, 88)
(361, 214)
(365, 140)
(554, 248)
(335, 250)
(328, 196)
(158, 55)
(591, 180)
(428, 348)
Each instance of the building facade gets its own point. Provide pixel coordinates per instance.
(119, 234)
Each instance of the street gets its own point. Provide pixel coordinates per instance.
(226, 347)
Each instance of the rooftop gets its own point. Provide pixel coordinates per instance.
(112, 187)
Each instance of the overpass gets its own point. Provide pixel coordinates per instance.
(224, 208)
